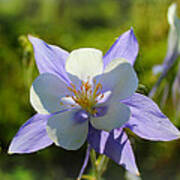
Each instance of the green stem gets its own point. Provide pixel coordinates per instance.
(99, 165)
(94, 166)
(103, 164)
(87, 177)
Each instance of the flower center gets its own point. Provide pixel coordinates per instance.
(87, 96)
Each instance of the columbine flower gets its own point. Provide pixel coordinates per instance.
(83, 95)
(173, 49)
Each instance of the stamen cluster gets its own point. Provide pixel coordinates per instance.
(87, 96)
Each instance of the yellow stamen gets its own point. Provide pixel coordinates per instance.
(87, 96)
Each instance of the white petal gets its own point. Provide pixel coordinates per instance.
(69, 129)
(110, 116)
(106, 96)
(120, 78)
(85, 63)
(68, 100)
(46, 93)
(174, 33)
(172, 14)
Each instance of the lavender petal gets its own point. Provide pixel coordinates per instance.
(115, 145)
(126, 46)
(147, 121)
(32, 136)
(50, 58)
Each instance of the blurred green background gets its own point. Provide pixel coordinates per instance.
(73, 24)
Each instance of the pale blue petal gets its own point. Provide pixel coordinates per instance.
(49, 58)
(111, 115)
(68, 129)
(32, 136)
(147, 121)
(115, 145)
(46, 93)
(120, 78)
(126, 46)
